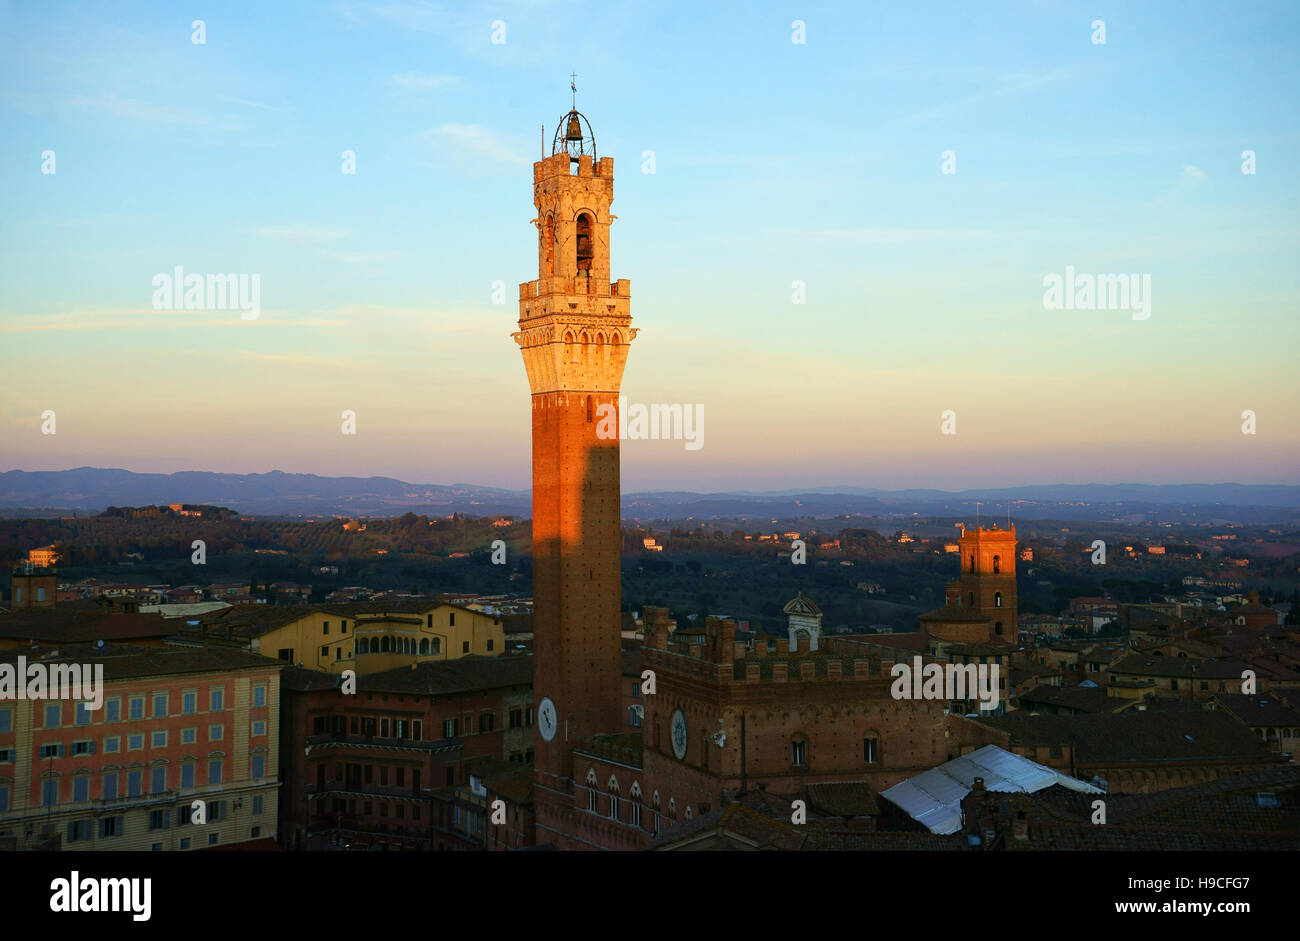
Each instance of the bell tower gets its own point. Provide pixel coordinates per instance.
(574, 331)
(988, 579)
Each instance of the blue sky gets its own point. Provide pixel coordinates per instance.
(774, 162)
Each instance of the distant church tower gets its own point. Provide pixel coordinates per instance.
(987, 583)
(574, 331)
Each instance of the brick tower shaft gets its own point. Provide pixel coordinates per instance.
(574, 331)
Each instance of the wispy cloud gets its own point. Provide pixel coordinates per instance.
(301, 233)
(424, 81)
(1192, 174)
(473, 140)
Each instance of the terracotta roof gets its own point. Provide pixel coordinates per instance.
(55, 625)
(444, 677)
(1076, 698)
(1132, 736)
(122, 661)
(1191, 668)
(842, 799)
(954, 614)
(1258, 711)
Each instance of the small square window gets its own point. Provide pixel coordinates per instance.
(212, 839)
(159, 739)
(135, 742)
(112, 744)
(259, 727)
(216, 733)
(185, 842)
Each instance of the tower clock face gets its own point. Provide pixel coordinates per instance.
(547, 721)
(679, 734)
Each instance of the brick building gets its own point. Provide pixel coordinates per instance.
(391, 765)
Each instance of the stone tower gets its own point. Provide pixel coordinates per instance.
(574, 331)
(988, 579)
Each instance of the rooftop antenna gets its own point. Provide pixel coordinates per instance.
(573, 85)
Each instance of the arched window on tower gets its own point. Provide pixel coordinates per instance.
(548, 244)
(997, 599)
(584, 248)
(997, 564)
(972, 563)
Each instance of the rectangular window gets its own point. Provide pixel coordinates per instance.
(82, 714)
(325, 651)
(327, 627)
(188, 703)
(259, 695)
(158, 820)
(218, 699)
(136, 707)
(286, 653)
(135, 742)
(869, 750)
(53, 750)
(110, 787)
(157, 780)
(343, 627)
(489, 643)
(486, 721)
(6, 720)
(528, 717)
(134, 783)
(516, 718)
(259, 727)
(83, 748)
(449, 728)
(81, 788)
(259, 766)
(183, 816)
(53, 713)
(49, 793)
(212, 839)
(214, 771)
(189, 736)
(159, 705)
(4, 798)
(187, 774)
(110, 826)
(79, 830)
(258, 803)
(158, 739)
(6, 754)
(216, 732)
(112, 744)
(383, 728)
(464, 646)
(383, 775)
(113, 710)
(399, 777)
(796, 753)
(185, 842)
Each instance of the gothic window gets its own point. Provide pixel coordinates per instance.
(584, 248)
(997, 599)
(549, 245)
(972, 563)
(799, 752)
(613, 798)
(591, 790)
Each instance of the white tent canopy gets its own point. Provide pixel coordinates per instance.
(934, 797)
